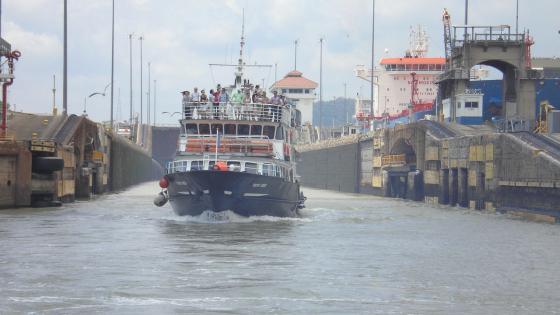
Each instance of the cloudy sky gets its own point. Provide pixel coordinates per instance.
(183, 36)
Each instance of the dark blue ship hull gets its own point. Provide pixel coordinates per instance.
(192, 193)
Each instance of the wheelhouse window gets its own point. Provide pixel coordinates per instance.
(268, 169)
(243, 130)
(230, 129)
(217, 128)
(181, 166)
(256, 130)
(251, 168)
(191, 129)
(279, 133)
(268, 131)
(197, 165)
(204, 129)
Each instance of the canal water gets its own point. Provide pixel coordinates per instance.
(348, 254)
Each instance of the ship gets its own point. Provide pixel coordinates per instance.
(235, 156)
(405, 86)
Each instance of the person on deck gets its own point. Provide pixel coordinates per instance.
(246, 109)
(195, 96)
(187, 104)
(215, 97)
(276, 100)
(203, 107)
(224, 97)
(236, 99)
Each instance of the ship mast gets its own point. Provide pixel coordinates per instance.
(239, 73)
(238, 83)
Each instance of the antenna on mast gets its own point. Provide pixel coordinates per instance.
(239, 74)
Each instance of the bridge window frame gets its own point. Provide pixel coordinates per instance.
(204, 129)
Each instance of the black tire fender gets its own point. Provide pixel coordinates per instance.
(47, 164)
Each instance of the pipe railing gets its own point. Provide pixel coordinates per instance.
(236, 111)
(266, 169)
(500, 33)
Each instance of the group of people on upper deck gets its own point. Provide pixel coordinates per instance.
(248, 103)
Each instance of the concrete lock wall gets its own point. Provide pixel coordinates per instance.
(365, 167)
(331, 168)
(15, 175)
(131, 165)
(493, 171)
(528, 178)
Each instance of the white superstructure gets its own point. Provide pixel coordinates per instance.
(393, 78)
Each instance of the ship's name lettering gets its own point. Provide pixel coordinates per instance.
(260, 185)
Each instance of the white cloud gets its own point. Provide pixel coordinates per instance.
(34, 45)
(184, 36)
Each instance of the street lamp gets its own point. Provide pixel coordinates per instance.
(85, 101)
(170, 114)
(141, 38)
(321, 88)
(94, 94)
(130, 59)
(112, 60)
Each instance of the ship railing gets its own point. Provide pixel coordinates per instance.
(252, 167)
(236, 111)
(251, 145)
(499, 33)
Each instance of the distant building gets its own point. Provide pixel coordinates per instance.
(300, 90)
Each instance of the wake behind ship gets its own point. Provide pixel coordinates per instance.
(234, 153)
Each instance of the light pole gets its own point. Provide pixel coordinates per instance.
(295, 54)
(112, 61)
(155, 99)
(130, 51)
(53, 93)
(148, 111)
(466, 12)
(65, 63)
(372, 57)
(517, 17)
(141, 93)
(321, 88)
(345, 102)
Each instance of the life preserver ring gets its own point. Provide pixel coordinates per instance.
(220, 166)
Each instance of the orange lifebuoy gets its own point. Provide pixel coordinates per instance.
(220, 166)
